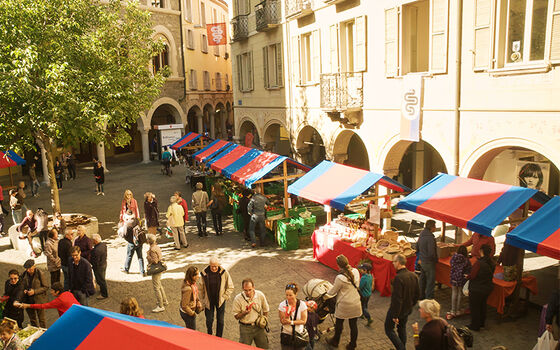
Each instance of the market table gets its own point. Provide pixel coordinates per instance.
(327, 247)
(502, 289)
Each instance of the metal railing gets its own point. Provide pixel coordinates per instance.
(342, 91)
(294, 7)
(240, 27)
(267, 14)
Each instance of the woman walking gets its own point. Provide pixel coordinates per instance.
(58, 173)
(151, 212)
(99, 174)
(154, 256)
(51, 252)
(215, 206)
(293, 316)
(129, 203)
(480, 287)
(190, 302)
(348, 304)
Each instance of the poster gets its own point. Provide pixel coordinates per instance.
(216, 34)
(169, 136)
(533, 175)
(374, 214)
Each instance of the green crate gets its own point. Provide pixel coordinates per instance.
(271, 213)
(288, 225)
(288, 241)
(305, 242)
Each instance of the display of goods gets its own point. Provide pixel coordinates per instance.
(287, 235)
(73, 220)
(29, 334)
(391, 236)
(352, 221)
(444, 250)
(387, 249)
(368, 227)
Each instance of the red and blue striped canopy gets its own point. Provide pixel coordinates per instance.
(185, 140)
(227, 157)
(86, 328)
(337, 184)
(10, 159)
(473, 204)
(540, 233)
(212, 148)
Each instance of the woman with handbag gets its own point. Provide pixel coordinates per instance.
(190, 302)
(156, 268)
(151, 212)
(348, 304)
(293, 316)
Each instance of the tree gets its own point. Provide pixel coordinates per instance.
(73, 71)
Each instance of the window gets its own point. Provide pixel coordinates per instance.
(245, 71)
(218, 79)
(272, 66)
(226, 81)
(306, 57)
(202, 14)
(242, 7)
(203, 43)
(188, 10)
(206, 80)
(161, 60)
(416, 37)
(157, 3)
(190, 39)
(193, 83)
(526, 30)
(352, 46)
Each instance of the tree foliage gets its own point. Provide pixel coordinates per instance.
(73, 71)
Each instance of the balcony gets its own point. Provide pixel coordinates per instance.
(240, 28)
(267, 14)
(342, 92)
(333, 1)
(298, 8)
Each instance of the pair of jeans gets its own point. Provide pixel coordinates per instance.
(217, 221)
(55, 276)
(43, 238)
(190, 321)
(201, 223)
(34, 187)
(257, 220)
(477, 304)
(209, 313)
(161, 297)
(130, 250)
(365, 301)
(399, 338)
(427, 280)
(99, 188)
(72, 171)
(99, 273)
(338, 325)
(17, 216)
(81, 297)
(37, 317)
(65, 273)
(456, 292)
(59, 182)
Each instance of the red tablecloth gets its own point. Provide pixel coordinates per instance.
(327, 247)
(502, 289)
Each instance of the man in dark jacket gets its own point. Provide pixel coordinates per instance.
(13, 290)
(552, 312)
(216, 289)
(403, 298)
(243, 204)
(35, 292)
(427, 258)
(64, 246)
(99, 264)
(80, 276)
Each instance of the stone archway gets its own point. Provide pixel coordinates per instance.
(208, 120)
(413, 163)
(349, 149)
(310, 146)
(194, 119)
(247, 126)
(220, 121)
(277, 139)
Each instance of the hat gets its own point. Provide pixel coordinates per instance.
(28, 263)
(199, 185)
(365, 266)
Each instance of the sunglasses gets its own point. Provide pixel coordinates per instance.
(290, 286)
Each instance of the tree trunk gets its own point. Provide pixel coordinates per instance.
(49, 151)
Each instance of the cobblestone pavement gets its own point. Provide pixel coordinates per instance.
(271, 268)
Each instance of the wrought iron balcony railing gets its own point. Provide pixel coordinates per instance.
(267, 14)
(298, 8)
(342, 91)
(240, 28)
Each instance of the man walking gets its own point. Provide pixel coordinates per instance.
(427, 258)
(99, 264)
(200, 206)
(403, 298)
(257, 211)
(183, 203)
(80, 276)
(216, 289)
(34, 181)
(247, 307)
(175, 220)
(34, 292)
(71, 165)
(136, 238)
(64, 246)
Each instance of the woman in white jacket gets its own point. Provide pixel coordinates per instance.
(348, 306)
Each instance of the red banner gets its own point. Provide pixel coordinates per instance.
(216, 34)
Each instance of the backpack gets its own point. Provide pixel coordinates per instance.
(456, 339)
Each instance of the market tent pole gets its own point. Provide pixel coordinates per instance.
(11, 177)
(520, 263)
(442, 237)
(376, 201)
(286, 200)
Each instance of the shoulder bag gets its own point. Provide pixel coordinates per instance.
(262, 320)
(296, 339)
(156, 268)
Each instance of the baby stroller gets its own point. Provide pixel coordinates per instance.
(316, 290)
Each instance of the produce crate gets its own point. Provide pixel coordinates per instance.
(320, 214)
(305, 242)
(271, 213)
(307, 225)
(294, 212)
(288, 241)
(288, 227)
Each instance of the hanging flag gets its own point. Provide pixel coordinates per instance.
(216, 34)
(411, 107)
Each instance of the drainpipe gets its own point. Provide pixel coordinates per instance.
(457, 106)
(183, 53)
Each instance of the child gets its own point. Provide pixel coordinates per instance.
(366, 287)
(312, 323)
(460, 266)
(9, 337)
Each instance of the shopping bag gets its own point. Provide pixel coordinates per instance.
(546, 342)
(466, 289)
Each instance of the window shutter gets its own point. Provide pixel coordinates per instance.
(438, 36)
(250, 70)
(265, 66)
(279, 66)
(188, 12)
(333, 47)
(316, 42)
(392, 42)
(295, 59)
(195, 81)
(482, 34)
(239, 73)
(555, 32)
(360, 50)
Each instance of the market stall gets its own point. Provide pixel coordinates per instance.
(8, 160)
(188, 139)
(83, 327)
